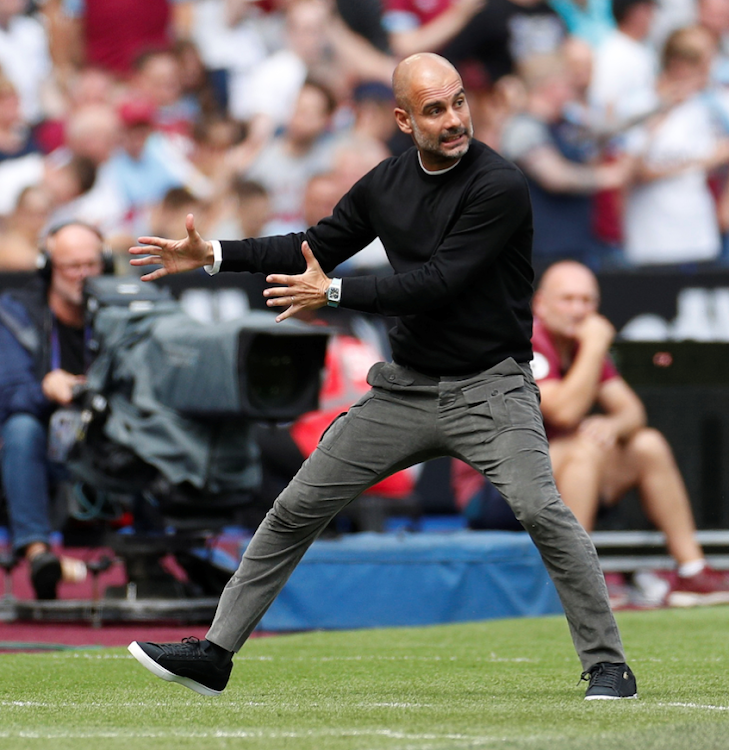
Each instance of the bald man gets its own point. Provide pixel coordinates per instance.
(42, 340)
(455, 221)
(596, 425)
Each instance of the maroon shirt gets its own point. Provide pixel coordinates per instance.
(547, 365)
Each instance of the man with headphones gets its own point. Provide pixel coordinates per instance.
(42, 340)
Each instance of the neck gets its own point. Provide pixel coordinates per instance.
(66, 312)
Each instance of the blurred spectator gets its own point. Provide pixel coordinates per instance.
(372, 105)
(506, 32)
(111, 35)
(16, 138)
(625, 66)
(65, 179)
(215, 137)
(229, 40)
(423, 26)
(43, 343)
(713, 15)
(85, 86)
(670, 212)
(93, 131)
(198, 87)
(168, 215)
(266, 97)
(23, 227)
(25, 59)
(242, 211)
(559, 162)
(157, 79)
(304, 149)
(599, 443)
(591, 20)
(149, 163)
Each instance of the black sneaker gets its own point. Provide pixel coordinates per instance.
(609, 682)
(45, 574)
(192, 663)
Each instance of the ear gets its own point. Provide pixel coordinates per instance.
(402, 118)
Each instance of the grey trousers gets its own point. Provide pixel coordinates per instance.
(490, 420)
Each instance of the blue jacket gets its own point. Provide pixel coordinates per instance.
(24, 316)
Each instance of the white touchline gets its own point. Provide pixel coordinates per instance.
(695, 705)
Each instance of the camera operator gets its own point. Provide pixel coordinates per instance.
(42, 339)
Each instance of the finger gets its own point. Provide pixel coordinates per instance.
(278, 291)
(144, 250)
(155, 241)
(281, 301)
(154, 275)
(287, 313)
(278, 278)
(306, 251)
(190, 225)
(148, 260)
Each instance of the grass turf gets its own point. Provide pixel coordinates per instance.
(501, 684)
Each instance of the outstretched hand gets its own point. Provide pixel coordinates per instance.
(174, 256)
(306, 291)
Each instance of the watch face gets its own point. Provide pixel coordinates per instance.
(333, 294)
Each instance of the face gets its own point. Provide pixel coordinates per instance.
(75, 255)
(438, 118)
(310, 117)
(161, 80)
(567, 295)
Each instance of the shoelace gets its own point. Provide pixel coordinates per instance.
(604, 675)
(183, 648)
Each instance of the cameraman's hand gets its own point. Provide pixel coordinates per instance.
(58, 386)
(306, 291)
(174, 256)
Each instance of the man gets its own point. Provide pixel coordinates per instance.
(290, 159)
(598, 457)
(625, 66)
(455, 220)
(42, 345)
(561, 163)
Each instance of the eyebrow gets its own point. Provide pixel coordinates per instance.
(440, 102)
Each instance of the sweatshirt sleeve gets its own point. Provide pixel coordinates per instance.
(332, 240)
(495, 209)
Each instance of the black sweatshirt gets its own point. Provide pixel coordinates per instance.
(460, 246)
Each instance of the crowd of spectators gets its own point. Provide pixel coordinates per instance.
(116, 113)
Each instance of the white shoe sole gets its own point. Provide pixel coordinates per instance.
(610, 697)
(156, 669)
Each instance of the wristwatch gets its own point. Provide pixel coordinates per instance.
(334, 293)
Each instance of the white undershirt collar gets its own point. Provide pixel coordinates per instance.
(435, 171)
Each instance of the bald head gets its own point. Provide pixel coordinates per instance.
(567, 272)
(568, 292)
(432, 109)
(421, 69)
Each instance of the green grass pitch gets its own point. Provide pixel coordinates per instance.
(508, 684)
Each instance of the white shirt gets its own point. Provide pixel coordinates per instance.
(270, 88)
(623, 71)
(26, 61)
(673, 220)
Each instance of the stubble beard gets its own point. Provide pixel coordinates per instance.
(434, 145)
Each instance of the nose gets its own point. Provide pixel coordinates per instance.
(452, 120)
